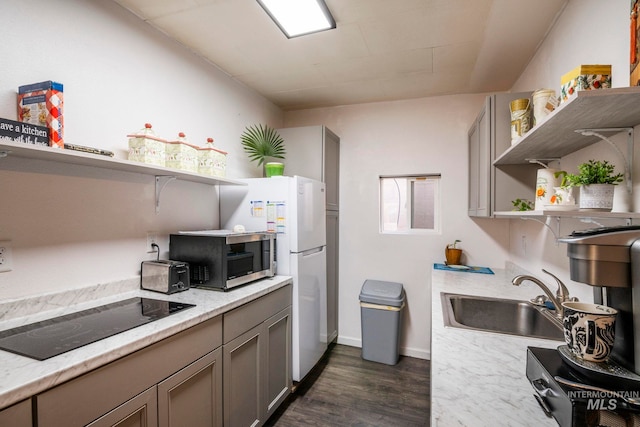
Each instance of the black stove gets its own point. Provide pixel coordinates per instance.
(589, 402)
(48, 338)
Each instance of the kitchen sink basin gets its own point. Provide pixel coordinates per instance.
(499, 315)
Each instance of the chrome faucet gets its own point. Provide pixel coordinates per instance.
(562, 293)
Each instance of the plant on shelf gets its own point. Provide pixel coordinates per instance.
(453, 245)
(594, 172)
(564, 183)
(596, 179)
(263, 143)
(522, 205)
(453, 254)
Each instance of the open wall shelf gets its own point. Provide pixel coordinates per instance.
(36, 152)
(10, 150)
(568, 214)
(555, 137)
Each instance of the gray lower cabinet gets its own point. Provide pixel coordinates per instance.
(242, 379)
(190, 397)
(189, 379)
(193, 396)
(18, 415)
(153, 386)
(277, 331)
(257, 359)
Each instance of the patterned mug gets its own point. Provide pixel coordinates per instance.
(589, 330)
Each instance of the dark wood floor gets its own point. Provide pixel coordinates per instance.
(345, 390)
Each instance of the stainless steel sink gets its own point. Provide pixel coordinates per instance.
(499, 315)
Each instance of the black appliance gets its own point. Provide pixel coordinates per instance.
(222, 259)
(48, 338)
(576, 399)
(579, 393)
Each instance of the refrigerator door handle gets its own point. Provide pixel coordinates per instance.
(310, 252)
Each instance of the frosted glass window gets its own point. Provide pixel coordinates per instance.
(409, 203)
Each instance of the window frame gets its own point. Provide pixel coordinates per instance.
(411, 178)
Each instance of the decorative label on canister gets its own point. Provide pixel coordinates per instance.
(520, 117)
(544, 102)
(545, 182)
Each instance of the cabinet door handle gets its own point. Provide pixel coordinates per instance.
(542, 391)
(544, 406)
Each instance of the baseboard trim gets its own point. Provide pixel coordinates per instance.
(404, 351)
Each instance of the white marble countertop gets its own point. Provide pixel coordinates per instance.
(479, 378)
(22, 377)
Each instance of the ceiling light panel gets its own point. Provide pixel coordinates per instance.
(299, 17)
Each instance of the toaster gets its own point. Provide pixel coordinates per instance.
(164, 276)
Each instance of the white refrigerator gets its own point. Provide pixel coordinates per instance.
(294, 208)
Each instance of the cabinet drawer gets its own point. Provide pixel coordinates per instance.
(18, 415)
(141, 411)
(245, 317)
(89, 396)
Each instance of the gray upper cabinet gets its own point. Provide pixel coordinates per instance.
(314, 152)
(493, 188)
(479, 178)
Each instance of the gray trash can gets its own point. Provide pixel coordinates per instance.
(381, 307)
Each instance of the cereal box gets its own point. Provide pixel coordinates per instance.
(585, 77)
(146, 147)
(42, 104)
(212, 161)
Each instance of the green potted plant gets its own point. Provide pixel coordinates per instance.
(262, 144)
(596, 179)
(522, 205)
(453, 254)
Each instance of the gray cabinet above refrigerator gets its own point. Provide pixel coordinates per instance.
(314, 152)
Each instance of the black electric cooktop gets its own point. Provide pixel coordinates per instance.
(52, 337)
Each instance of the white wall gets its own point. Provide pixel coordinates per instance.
(426, 135)
(588, 32)
(74, 226)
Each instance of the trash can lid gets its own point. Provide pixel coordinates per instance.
(381, 292)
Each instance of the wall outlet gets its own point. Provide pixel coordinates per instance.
(152, 239)
(6, 258)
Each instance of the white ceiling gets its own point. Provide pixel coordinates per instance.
(381, 50)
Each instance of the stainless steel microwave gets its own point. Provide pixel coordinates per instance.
(222, 259)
